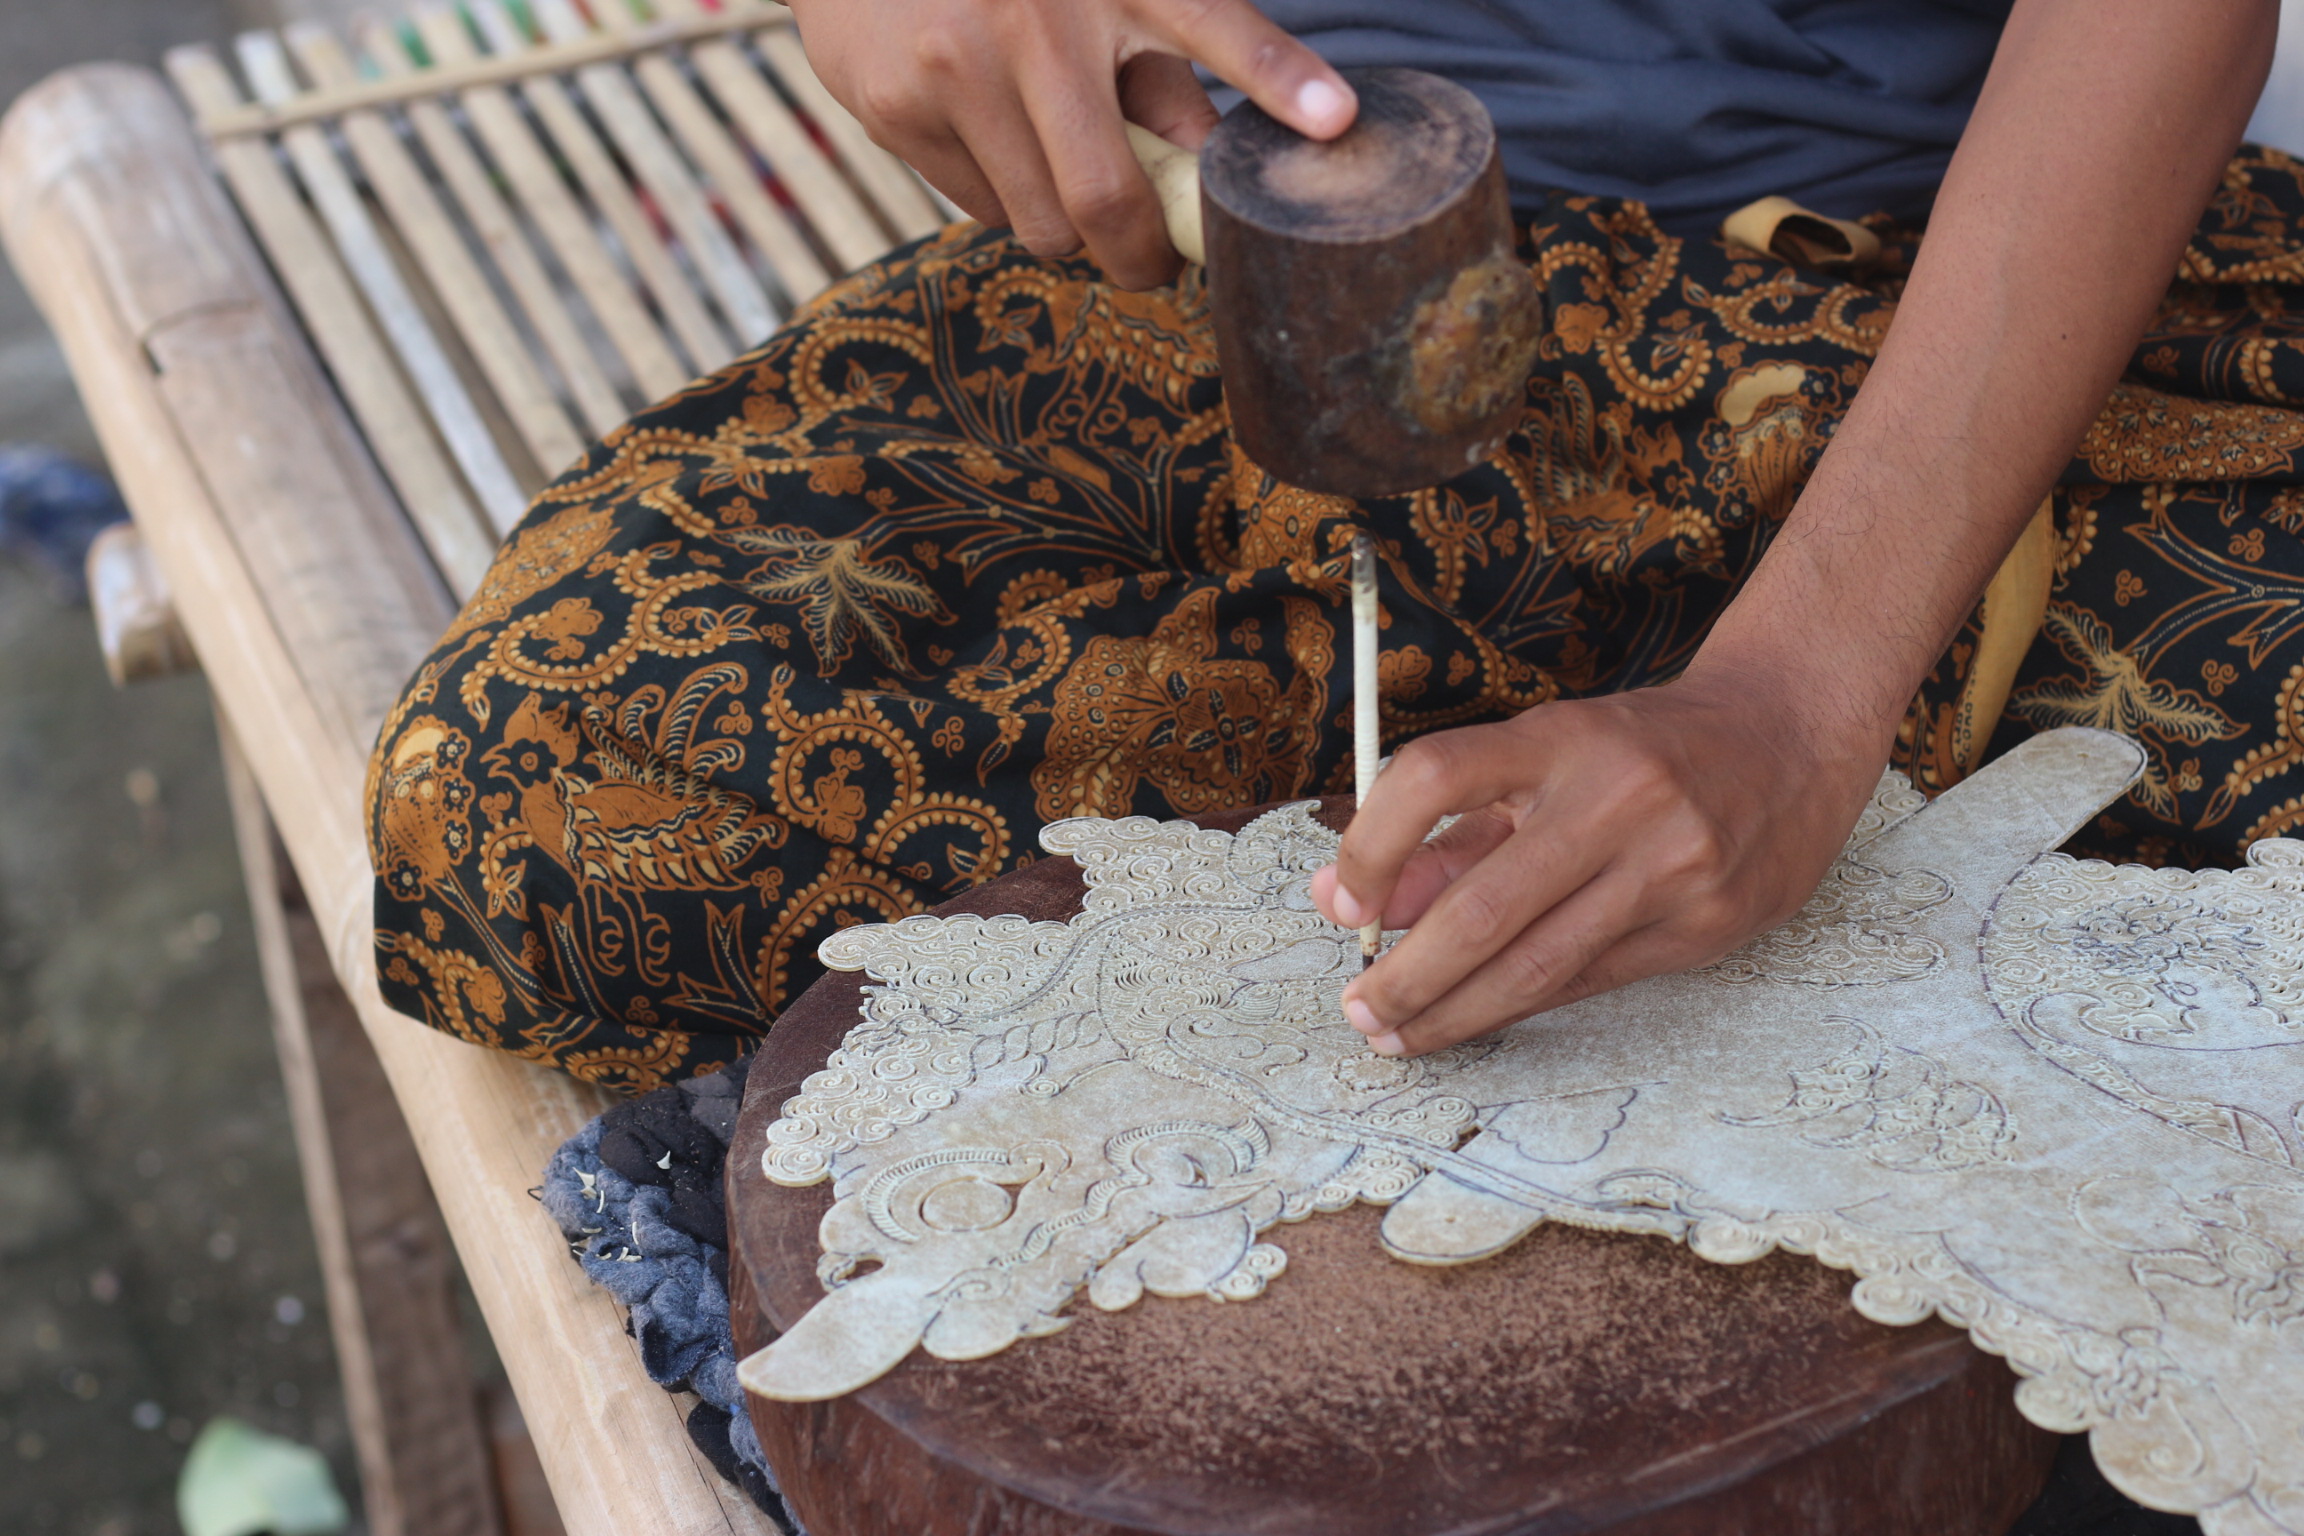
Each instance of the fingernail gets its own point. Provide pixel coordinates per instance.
(1321, 103)
(1361, 1017)
(1349, 909)
(1387, 1045)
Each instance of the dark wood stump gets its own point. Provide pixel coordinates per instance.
(1579, 1382)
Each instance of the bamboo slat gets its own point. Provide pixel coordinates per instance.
(728, 169)
(723, 163)
(566, 229)
(658, 167)
(254, 118)
(947, 211)
(668, 206)
(500, 234)
(842, 219)
(340, 207)
(707, 346)
(414, 206)
(330, 308)
(901, 197)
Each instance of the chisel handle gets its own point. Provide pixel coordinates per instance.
(1175, 175)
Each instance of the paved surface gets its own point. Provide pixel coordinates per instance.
(155, 1265)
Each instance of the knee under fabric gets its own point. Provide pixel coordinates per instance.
(827, 636)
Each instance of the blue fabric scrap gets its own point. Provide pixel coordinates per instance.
(637, 1195)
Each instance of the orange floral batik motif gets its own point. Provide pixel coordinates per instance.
(827, 636)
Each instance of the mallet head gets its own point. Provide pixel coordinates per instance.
(1375, 328)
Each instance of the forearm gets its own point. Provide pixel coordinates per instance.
(2101, 131)
(1599, 840)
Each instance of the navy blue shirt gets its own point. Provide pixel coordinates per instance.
(1695, 107)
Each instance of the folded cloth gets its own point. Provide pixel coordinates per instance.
(637, 1195)
(51, 509)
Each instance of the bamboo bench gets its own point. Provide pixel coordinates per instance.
(336, 314)
(481, 237)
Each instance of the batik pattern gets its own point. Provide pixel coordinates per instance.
(827, 636)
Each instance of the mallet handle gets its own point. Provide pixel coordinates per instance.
(1367, 727)
(1175, 176)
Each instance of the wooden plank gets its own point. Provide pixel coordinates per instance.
(726, 168)
(408, 197)
(409, 1393)
(899, 195)
(707, 346)
(841, 218)
(330, 186)
(521, 1488)
(101, 156)
(567, 231)
(669, 181)
(330, 308)
(263, 117)
(198, 353)
(135, 613)
(498, 230)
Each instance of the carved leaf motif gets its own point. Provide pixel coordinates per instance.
(1856, 931)
(2177, 994)
(1899, 1107)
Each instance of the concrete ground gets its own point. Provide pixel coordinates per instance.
(155, 1265)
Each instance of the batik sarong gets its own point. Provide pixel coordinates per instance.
(830, 634)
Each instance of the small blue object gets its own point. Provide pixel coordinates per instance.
(51, 509)
(637, 1193)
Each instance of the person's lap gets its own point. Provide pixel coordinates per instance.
(828, 636)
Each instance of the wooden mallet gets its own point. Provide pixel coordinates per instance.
(1374, 326)
(1375, 329)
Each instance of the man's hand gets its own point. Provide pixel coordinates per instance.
(1013, 108)
(1600, 841)
(1609, 839)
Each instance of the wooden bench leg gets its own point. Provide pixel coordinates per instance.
(415, 1410)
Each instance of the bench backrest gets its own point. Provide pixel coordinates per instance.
(506, 226)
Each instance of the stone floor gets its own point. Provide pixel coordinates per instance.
(155, 1265)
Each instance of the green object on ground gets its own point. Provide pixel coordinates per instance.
(240, 1481)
